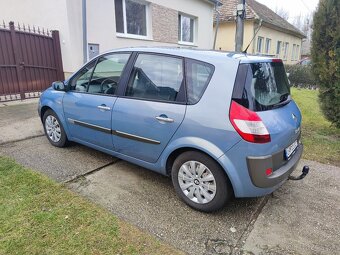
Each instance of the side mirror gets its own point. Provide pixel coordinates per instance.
(59, 85)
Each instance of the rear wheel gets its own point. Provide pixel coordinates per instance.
(200, 181)
(54, 130)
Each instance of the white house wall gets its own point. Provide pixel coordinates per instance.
(66, 16)
(45, 14)
(102, 24)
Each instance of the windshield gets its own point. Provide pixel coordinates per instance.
(262, 86)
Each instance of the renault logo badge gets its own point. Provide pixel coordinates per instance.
(294, 117)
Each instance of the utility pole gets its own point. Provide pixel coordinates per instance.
(84, 19)
(240, 14)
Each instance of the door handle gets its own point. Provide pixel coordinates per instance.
(164, 118)
(104, 107)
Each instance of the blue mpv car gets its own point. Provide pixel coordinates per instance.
(220, 124)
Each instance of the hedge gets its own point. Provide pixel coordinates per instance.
(301, 76)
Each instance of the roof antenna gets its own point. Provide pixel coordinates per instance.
(258, 29)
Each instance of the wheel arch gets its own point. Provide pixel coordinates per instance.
(58, 110)
(43, 110)
(174, 154)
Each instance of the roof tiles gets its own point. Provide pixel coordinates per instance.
(256, 10)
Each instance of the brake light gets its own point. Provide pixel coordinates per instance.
(248, 124)
(277, 60)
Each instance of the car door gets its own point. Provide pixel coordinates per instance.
(88, 103)
(148, 114)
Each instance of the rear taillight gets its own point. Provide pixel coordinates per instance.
(248, 124)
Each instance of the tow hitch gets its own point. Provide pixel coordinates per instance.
(305, 171)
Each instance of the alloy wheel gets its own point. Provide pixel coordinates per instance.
(53, 129)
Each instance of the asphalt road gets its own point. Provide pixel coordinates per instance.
(302, 217)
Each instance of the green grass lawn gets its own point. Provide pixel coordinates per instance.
(39, 216)
(320, 138)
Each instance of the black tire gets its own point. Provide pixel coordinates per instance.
(63, 141)
(223, 185)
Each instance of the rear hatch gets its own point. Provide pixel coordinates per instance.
(262, 93)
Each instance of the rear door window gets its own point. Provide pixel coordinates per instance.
(156, 77)
(198, 75)
(262, 86)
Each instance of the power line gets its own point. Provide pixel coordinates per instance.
(303, 2)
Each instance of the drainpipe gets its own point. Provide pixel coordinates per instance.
(84, 19)
(217, 24)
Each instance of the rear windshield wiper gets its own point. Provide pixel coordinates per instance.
(284, 99)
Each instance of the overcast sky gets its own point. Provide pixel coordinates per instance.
(293, 7)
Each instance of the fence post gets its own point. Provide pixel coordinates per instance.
(18, 64)
(57, 53)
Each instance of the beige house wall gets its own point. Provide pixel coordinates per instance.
(226, 36)
(226, 40)
(276, 36)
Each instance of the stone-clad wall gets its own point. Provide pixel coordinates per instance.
(164, 24)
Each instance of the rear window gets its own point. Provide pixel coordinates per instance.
(261, 86)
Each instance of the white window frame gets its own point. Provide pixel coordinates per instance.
(147, 13)
(194, 29)
(298, 52)
(259, 38)
(269, 44)
(294, 52)
(279, 43)
(285, 52)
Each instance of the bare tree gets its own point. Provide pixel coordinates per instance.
(304, 23)
(283, 13)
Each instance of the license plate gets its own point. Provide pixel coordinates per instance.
(291, 149)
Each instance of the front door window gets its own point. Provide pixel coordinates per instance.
(101, 77)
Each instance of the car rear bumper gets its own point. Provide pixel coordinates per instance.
(246, 180)
(257, 167)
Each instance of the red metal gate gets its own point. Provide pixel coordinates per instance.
(30, 60)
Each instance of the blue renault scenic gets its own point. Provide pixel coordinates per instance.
(220, 124)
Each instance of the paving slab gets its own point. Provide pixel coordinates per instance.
(303, 217)
(61, 164)
(19, 120)
(148, 200)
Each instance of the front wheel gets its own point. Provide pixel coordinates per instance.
(200, 181)
(54, 130)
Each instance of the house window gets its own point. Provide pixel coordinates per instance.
(294, 52)
(186, 27)
(278, 48)
(286, 50)
(268, 45)
(297, 52)
(259, 44)
(131, 17)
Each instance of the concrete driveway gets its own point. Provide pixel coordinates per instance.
(300, 218)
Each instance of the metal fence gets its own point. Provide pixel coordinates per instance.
(30, 60)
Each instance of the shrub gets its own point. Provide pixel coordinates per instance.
(301, 76)
(326, 57)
